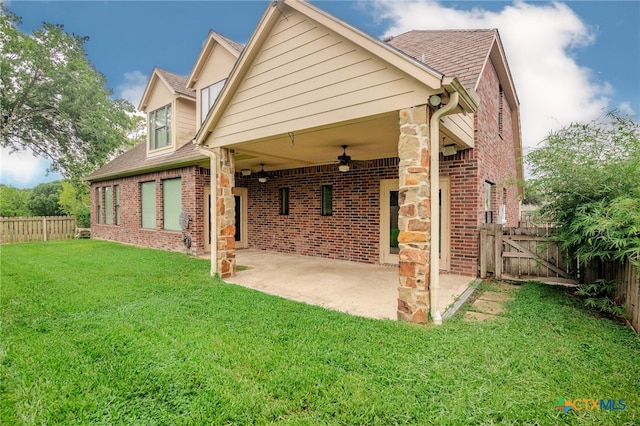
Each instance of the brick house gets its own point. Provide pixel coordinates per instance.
(317, 140)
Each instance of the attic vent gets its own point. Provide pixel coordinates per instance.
(387, 39)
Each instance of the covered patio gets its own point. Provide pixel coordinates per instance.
(356, 288)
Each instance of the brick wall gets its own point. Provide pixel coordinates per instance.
(350, 233)
(492, 160)
(130, 231)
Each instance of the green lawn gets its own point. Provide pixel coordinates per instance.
(96, 332)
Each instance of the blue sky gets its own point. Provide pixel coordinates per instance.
(571, 61)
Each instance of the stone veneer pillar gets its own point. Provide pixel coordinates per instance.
(414, 218)
(225, 214)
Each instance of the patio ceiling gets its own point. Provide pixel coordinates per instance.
(367, 138)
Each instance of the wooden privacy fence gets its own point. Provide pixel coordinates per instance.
(522, 254)
(37, 228)
(526, 254)
(627, 279)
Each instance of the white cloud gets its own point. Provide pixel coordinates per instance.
(23, 169)
(133, 87)
(553, 89)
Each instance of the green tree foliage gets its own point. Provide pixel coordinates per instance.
(75, 200)
(44, 199)
(589, 176)
(13, 201)
(53, 101)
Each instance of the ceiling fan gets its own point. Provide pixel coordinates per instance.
(344, 161)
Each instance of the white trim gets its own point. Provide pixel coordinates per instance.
(386, 186)
(244, 199)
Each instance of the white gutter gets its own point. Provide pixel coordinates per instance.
(213, 229)
(434, 137)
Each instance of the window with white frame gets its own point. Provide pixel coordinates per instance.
(160, 128)
(208, 97)
(148, 204)
(171, 204)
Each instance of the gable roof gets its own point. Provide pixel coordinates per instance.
(277, 12)
(174, 82)
(135, 162)
(464, 54)
(213, 38)
(460, 53)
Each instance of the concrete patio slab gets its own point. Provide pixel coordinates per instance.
(356, 288)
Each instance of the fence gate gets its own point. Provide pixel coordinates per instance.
(522, 254)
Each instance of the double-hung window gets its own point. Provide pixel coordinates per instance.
(160, 128)
(108, 206)
(148, 204)
(208, 97)
(171, 203)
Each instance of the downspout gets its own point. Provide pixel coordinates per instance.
(213, 209)
(434, 137)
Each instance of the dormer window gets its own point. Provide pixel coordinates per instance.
(208, 97)
(160, 128)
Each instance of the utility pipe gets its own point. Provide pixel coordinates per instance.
(213, 229)
(434, 137)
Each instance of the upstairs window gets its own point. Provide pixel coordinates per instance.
(208, 98)
(160, 128)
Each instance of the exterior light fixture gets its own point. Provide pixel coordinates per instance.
(343, 167)
(435, 100)
(448, 150)
(262, 175)
(246, 172)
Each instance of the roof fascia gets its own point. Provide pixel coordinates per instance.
(406, 64)
(469, 100)
(213, 38)
(148, 90)
(155, 76)
(194, 160)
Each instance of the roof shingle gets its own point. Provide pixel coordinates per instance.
(135, 161)
(177, 82)
(455, 53)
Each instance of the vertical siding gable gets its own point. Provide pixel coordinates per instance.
(306, 75)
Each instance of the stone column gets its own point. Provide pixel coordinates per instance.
(414, 218)
(226, 214)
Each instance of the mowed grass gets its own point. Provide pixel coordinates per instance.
(97, 332)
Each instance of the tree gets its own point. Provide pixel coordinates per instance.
(44, 199)
(13, 201)
(53, 101)
(75, 200)
(589, 176)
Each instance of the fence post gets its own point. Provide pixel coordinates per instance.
(498, 252)
(44, 227)
(483, 252)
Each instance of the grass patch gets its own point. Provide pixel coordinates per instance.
(97, 332)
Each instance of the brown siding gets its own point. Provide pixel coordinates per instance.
(130, 231)
(351, 233)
